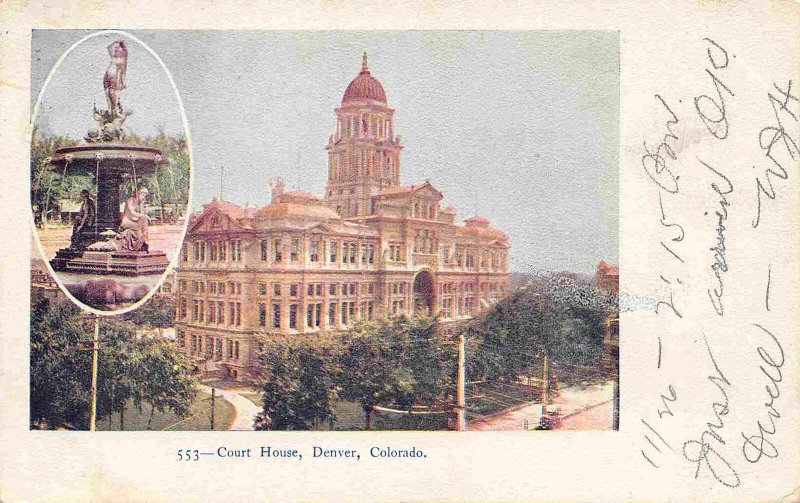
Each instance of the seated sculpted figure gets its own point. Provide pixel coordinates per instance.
(84, 220)
(133, 227)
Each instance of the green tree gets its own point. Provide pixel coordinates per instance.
(553, 316)
(366, 374)
(145, 370)
(169, 186)
(163, 382)
(158, 312)
(297, 378)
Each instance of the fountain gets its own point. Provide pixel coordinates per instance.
(103, 240)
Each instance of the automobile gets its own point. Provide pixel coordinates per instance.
(550, 421)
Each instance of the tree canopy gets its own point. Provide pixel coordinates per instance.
(170, 185)
(146, 370)
(555, 316)
(397, 363)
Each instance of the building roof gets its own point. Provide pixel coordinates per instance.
(298, 203)
(231, 210)
(405, 189)
(608, 269)
(477, 221)
(364, 87)
(478, 226)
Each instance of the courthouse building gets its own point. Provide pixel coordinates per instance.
(370, 248)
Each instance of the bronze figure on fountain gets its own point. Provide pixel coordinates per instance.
(105, 241)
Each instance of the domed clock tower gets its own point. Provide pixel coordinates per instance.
(363, 153)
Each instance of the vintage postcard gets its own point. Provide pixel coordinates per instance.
(449, 257)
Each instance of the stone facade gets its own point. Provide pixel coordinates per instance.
(370, 249)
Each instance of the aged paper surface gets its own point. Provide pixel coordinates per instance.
(708, 217)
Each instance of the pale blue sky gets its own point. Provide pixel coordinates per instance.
(527, 120)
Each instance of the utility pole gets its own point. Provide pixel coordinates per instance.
(95, 343)
(615, 418)
(221, 176)
(545, 385)
(461, 413)
(213, 397)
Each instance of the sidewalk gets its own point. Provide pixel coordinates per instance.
(582, 408)
(245, 409)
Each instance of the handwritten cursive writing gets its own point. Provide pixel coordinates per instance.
(713, 112)
(655, 163)
(720, 264)
(701, 451)
(780, 108)
(758, 444)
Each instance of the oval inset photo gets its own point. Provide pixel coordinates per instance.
(110, 172)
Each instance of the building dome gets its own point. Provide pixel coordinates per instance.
(364, 87)
(298, 204)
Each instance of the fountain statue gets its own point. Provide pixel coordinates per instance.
(104, 241)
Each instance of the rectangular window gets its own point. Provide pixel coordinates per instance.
(371, 253)
(344, 313)
(220, 312)
(262, 315)
(183, 308)
(352, 253)
(277, 249)
(370, 288)
(262, 288)
(317, 314)
(202, 311)
(363, 253)
(276, 289)
(212, 311)
(293, 290)
(263, 246)
(223, 248)
(236, 350)
(213, 252)
(293, 316)
(334, 247)
(238, 314)
(184, 253)
(332, 288)
(310, 315)
(294, 250)
(230, 348)
(276, 316)
(332, 313)
(352, 288)
(318, 289)
(202, 251)
(310, 290)
(231, 313)
(314, 250)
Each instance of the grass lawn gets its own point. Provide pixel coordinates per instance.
(350, 417)
(488, 398)
(196, 420)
